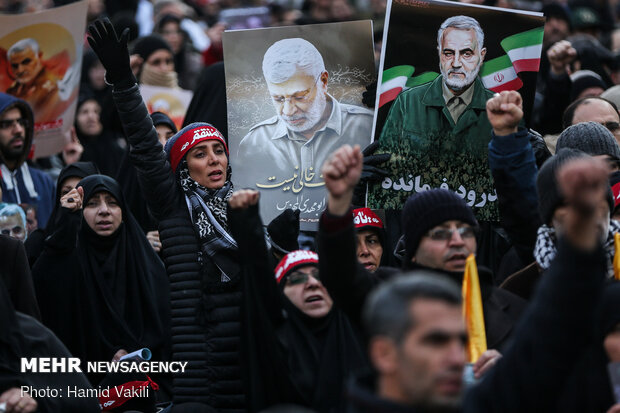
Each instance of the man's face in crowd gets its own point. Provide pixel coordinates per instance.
(31, 221)
(25, 65)
(12, 134)
(300, 101)
(597, 110)
(446, 246)
(13, 226)
(369, 249)
(460, 58)
(304, 289)
(555, 30)
(427, 365)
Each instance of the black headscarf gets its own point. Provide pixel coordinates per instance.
(111, 292)
(588, 388)
(209, 101)
(35, 242)
(23, 336)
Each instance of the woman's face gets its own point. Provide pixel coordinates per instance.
(68, 184)
(88, 119)
(207, 164)
(307, 292)
(161, 60)
(103, 214)
(171, 32)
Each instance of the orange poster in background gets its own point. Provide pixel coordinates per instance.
(40, 62)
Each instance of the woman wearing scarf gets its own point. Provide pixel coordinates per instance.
(300, 348)
(101, 287)
(67, 180)
(186, 187)
(23, 336)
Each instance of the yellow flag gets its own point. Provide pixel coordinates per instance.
(472, 311)
(617, 256)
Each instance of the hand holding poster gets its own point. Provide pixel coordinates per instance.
(301, 104)
(435, 123)
(40, 62)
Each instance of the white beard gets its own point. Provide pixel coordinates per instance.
(458, 84)
(312, 115)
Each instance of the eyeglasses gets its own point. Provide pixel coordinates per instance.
(10, 123)
(16, 230)
(299, 97)
(611, 126)
(298, 277)
(444, 234)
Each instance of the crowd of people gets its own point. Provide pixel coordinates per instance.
(134, 236)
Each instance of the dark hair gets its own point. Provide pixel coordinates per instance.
(386, 311)
(569, 113)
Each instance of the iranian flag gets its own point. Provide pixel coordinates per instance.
(524, 49)
(499, 74)
(399, 78)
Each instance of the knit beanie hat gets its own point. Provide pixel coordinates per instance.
(177, 147)
(160, 118)
(549, 195)
(294, 260)
(365, 218)
(582, 80)
(147, 45)
(428, 209)
(591, 138)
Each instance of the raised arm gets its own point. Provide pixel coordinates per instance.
(557, 326)
(347, 281)
(146, 153)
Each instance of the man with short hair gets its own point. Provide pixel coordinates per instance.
(309, 123)
(20, 182)
(593, 109)
(33, 82)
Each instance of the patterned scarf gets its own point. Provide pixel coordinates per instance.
(546, 246)
(207, 208)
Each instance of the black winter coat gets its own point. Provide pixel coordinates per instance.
(206, 319)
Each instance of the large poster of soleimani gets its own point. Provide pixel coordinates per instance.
(294, 96)
(440, 63)
(40, 62)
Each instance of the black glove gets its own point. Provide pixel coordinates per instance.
(370, 172)
(112, 52)
(369, 96)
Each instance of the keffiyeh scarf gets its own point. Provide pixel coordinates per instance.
(208, 212)
(546, 246)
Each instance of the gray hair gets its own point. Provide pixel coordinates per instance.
(285, 57)
(387, 310)
(461, 23)
(24, 44)
(9, 210)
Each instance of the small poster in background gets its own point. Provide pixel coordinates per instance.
(172, 102)
(246, 18)
(40, 62)
(440, 63)
(293, 97)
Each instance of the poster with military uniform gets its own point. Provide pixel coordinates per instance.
(40, 62)
(294, 96)
(441, 62)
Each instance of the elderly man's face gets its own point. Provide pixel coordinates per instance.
(460, 58)
(300, 101)
(25, 65)
(13, 226)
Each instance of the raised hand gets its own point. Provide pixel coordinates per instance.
(72, 200)
(341, 173)
(505, 111)
(111, 50)
(243, 198)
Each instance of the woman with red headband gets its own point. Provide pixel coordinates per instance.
(186, 188)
